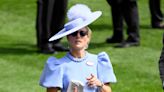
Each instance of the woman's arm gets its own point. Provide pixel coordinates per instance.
(53, 89)
(105, 88)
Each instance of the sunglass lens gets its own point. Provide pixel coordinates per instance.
(82, 33)
(74, 34)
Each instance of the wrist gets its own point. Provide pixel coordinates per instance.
(101, 84)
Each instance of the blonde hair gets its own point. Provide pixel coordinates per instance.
(89, 36)
(89, 32)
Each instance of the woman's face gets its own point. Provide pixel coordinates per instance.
(79, 40)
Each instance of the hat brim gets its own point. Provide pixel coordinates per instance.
(65, 32)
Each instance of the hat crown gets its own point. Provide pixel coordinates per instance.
(73, 24)
(79, 11)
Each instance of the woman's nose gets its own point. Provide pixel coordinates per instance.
(78, 34)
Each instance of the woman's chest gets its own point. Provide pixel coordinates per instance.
(80, 71)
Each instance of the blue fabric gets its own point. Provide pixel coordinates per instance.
(59, 72)
(105, 69)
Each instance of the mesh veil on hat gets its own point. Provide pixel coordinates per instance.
(79, 16)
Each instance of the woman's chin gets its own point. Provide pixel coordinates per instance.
(78, 48)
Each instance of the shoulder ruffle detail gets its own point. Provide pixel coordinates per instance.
(105, 69)
(53, 62)
(52, 74)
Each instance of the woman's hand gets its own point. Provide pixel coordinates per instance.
(93, 81)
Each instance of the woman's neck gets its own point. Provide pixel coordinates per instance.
(78, 54)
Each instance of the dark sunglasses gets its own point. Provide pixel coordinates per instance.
(82, 33)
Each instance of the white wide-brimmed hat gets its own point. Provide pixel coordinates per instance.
(79, 16)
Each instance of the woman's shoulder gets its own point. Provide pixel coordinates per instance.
(100, 57)
(103, 57)
(54, 62)
(100, 54)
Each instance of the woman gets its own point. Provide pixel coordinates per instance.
(94, 72)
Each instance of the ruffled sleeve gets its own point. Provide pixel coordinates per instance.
(105, 69)
(52, 74)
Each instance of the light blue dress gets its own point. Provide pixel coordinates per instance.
(59, 72)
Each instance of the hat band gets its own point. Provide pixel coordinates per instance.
(73, 24)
